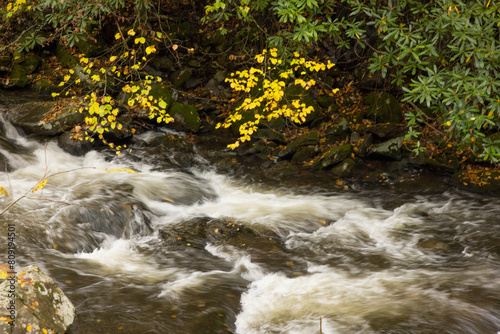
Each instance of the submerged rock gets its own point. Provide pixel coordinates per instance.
(39, 304)
(74, 147)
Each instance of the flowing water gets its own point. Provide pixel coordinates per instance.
(417, 258)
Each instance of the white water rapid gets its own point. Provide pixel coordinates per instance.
(190, 250)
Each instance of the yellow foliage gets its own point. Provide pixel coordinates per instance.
(39, 185)
(269, 102)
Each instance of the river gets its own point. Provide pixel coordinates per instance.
(191, 249)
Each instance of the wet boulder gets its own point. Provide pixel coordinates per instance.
(309, 139)
(281, 169)
(67, 142)
(332, 157)
(40, 305)
(480, 181)
(345, 168)
(305, 154)
(45, 118)
(388, 150)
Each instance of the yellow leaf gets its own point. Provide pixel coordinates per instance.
(40, 185)
(3, 274)
(44, 331)
(128, 170)
(117, 36)
(141, 40)
(4, 192)
(131, 32)
(28, 328)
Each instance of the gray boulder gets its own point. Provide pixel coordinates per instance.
(39, 304)
(37, 118)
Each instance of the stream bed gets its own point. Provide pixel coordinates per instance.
(195, 250)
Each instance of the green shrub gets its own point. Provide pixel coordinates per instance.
(442, 55)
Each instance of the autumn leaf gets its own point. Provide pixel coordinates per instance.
(128, 170)
(162, 104)
(40, 185)
(175, 46)
(112, 59)
(131, 32)
(4, 192)
(141, 40)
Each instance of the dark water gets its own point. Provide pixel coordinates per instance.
(193, 250)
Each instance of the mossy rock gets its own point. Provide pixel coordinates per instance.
(90, 48)
(282, 168)
(65, 58)
(345, 168)
(161, 91)
(46, 87)
(325, 101)
(337, 131)
(332, 157)
(18, 77)
(387, 130)
(31, 63)
(181, 77)
(309, 139)
(270, 134)
(39, 303)
(480, 181)
(363, 145)
(163, 64)
(305, 154)
(32, 118)
(384, 109)
(388, 150)
(186, 117)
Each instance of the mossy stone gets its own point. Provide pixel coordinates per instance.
(388, 150)
(345, 168)
(186, 117)
(332, 157)
(65, 58)
(181, 77)
(310, 138)
(305, 154)
(385, 109)
(18, 77)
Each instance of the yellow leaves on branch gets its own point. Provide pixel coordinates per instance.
(267, 85)
(39, 185)
(128, 170)
(4, 192)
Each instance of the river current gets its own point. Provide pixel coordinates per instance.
(418, 259)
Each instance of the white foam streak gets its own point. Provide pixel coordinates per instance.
(242, 262)
(278, 302)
